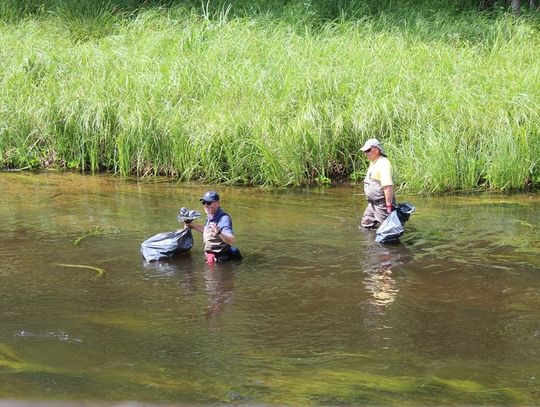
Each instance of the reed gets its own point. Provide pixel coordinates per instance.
(270, 94)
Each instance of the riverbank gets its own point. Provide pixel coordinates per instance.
(223, 96)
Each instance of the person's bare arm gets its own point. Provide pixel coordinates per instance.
(388, 197)
(196, 226)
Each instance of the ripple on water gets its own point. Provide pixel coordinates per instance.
(58, 335)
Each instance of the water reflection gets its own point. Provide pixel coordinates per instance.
(178, 266)
(379, 278)
(218, 279)
(380, 267)
(382, 287)
(219, 284)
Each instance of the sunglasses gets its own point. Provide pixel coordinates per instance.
(206, 203)
(368, 150)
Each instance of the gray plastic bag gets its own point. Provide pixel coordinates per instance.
(167, 244)
(392, 228)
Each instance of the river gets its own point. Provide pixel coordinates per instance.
(316, 313)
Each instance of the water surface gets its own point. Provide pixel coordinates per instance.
(317, 313)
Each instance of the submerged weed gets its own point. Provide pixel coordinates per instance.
(99, 270)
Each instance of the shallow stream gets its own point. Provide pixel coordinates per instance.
(316, 313)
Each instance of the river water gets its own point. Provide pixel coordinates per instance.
(316, 313)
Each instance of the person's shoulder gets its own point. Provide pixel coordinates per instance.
(382, 160)
(221, 212)
(224, 215)
(225, 221)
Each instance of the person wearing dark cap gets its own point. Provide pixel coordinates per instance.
(378, 185)
(218, 236)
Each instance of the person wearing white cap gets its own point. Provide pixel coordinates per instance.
(378, 185)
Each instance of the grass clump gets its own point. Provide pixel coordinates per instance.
(272, 93)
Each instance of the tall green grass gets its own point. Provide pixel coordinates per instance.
(227, 93)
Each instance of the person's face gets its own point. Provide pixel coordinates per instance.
(210, 207)
(372, 153)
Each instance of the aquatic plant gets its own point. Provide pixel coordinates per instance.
(6, 353)
(339, 387)
(99, 270)
(95, 231)
(11, 362)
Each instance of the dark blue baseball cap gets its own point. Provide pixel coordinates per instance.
(210, 196)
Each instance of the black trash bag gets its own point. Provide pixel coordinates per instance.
(392, 228)
(404, 211)
(168, 244)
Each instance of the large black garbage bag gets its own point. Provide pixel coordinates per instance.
(404, 211)
(392, 227)
(167, 244)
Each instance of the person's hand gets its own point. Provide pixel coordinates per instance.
(389, 208)
(214, 228)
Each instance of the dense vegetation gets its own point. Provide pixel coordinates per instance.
(273, 92)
